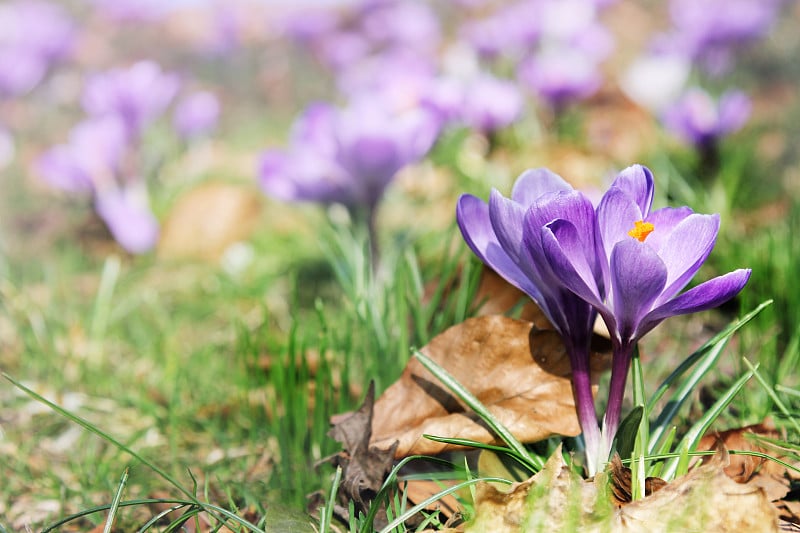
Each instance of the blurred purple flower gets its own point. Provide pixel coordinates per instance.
(709, 30)
(560, 76)
(491, 103)
(509, 32)
(648, 258)
(509, 235)
(138, 94)
(90, 160)
(33, 36)
(129, 218)
(341, 38)
(347, 155)
(92, 163)
(196, 115)
(698, 119)
(131, 10)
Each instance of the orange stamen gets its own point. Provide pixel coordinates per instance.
(641, 230)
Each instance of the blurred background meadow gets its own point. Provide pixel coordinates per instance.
(221, 219)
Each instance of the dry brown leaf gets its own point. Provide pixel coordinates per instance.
(620, 477)
(519, 372)
(556, 499)
(496, 296)
(364, 467)
(513, 509)
(704, 500)
(755, 471)
(418, 490)
(205, 221)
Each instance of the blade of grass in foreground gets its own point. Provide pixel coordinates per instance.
(707, 356)
(218, 513)
(695, 433)
(423, 504)
(534, 462)
(112, 512)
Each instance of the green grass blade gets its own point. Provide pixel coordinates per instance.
(479, 446)
(438, 496)
(771, 392)
(534, 462)
(326, 515)
(683, 392)
(112, 511)
(696, 432)
(702, 351)
(155, 468)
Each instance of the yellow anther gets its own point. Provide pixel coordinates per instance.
(641, 230)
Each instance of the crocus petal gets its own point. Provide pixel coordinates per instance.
(506, 218)
(616, 215)
(535, 183)
(664, 221)
(637, 182)
(566, 254)
(685, 250)
(705, 296)
(638, 276)
(472, 215)
(570, 205)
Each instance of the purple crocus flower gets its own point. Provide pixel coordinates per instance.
(92, 163)
(129, 218)
(347, 155)
(33, 35)
(90, 160)
(698, 119)
(509, 235)
(709, 30)
(647, 259)
(561, 75)
(491, 103)
(138, 94)
(196, 115)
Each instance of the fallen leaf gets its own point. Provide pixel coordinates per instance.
(496, 296)
(364, 467)
(556, 499)
(557, 491)
(705, 499)
(419, 490)
(518, 371)
(620, 478)
(754, 471)
(205, 221)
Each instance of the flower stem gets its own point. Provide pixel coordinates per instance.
(584, 403)
(620, 363)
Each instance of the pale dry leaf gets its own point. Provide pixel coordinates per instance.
(496, 296)
(519, 372)
(540, 503)
(754, 471)
(704, 500)
(208, 219)
(558, 500)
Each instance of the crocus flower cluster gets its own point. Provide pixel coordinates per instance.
(341, 37)
(711, 31)
(620, 260)
(556, 45)
(704, 38)
(34, 35)
(103, 156)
